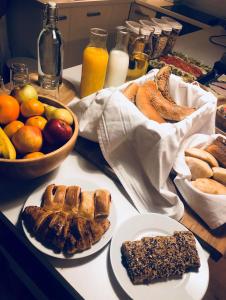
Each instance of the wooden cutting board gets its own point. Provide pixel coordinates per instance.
(65, 94)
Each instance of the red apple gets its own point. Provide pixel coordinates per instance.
(57, 132)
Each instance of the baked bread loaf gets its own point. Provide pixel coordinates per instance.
(153, 98)
(218, 150)
(219, 174)
(131, 91)
(162, 80)
(69, 220)
(160, 257)
(198, 168)
(144, 105)
(209, 186)
(167, 109)
(203, 155)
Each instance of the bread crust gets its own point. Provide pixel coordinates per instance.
(219, 174)
(131, 91)
(144, 105)
(203, 155)
(209, 186)
(198, 168)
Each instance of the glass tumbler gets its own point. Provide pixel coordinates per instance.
(19, 75)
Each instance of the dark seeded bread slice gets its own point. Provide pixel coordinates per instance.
(188, 251)
(152, 258)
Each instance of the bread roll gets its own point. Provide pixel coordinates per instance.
(219, 174)
(144, 105)
(131, 91)
(209, 186)
(203, 155)
(198, 168)
(218, 150)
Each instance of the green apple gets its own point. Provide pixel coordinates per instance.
(48, 111)
(62, 114)
(25, 93)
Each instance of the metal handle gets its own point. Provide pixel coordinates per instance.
(93, 14)
(138, 12)
(62, 18)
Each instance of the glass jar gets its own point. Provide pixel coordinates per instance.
(148, 31)
(176, 29)
(165, 34)
(134, 30)
(94, 64)
(118, 59)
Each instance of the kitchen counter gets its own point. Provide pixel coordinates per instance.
(157, 5)
(198, 46)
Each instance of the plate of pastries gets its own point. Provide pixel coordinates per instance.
(69, 220)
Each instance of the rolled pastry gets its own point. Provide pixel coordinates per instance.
(102, 203)
(54, 196)
(86, 208)
(72, 199)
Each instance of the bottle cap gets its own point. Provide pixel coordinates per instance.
(175, 25)
(51, 10)
(162, 24)
(152, 26)
(52, 4)
(147, 30)
(134, 26)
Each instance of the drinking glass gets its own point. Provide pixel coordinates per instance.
(19, 75)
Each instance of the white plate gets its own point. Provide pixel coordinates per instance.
(191, 286)
(35, 199)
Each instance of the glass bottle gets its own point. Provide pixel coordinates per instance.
(50, 50)
(94, 64)
(118, 59)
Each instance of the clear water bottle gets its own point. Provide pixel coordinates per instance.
(50, 50)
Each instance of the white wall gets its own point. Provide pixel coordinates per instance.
(213, 7)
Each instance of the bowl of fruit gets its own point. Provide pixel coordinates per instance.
(36, 134)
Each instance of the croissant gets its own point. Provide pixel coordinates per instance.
(69, 220)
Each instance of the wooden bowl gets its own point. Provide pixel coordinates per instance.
(36, 167)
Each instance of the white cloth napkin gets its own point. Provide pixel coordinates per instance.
(141, 151)
(211, 208)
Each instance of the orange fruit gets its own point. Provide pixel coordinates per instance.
(27, 139)
(34, 155)
(9, 109)
(38, 121)
(32, 107)
(12, 127)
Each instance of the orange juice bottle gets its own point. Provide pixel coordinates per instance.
(94, 64)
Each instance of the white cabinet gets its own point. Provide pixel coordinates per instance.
(75, 22)
(106, 16)
(139, 12)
